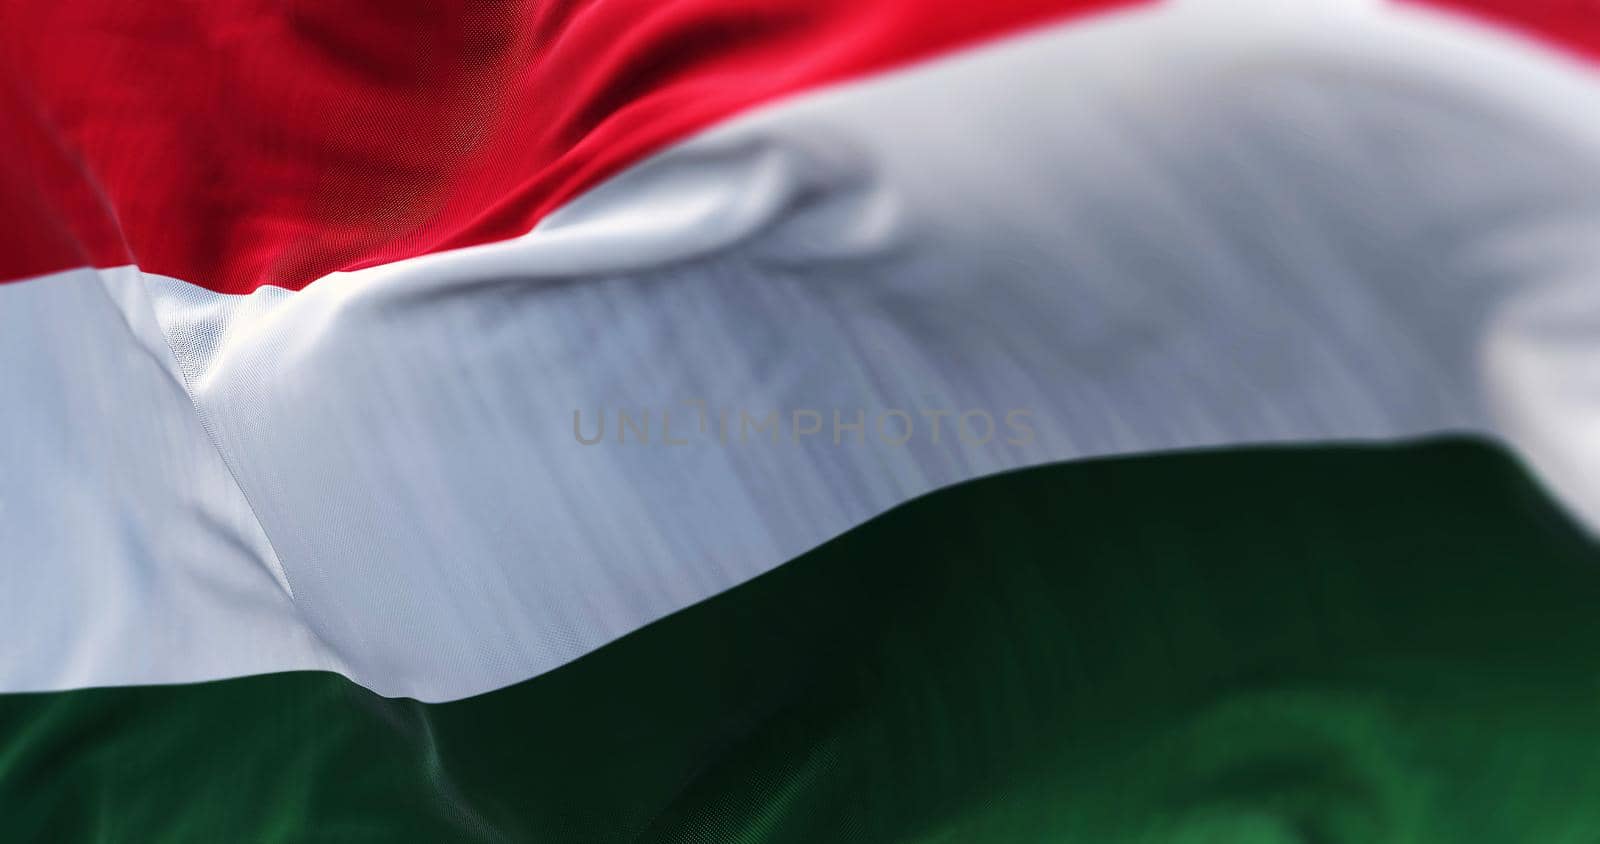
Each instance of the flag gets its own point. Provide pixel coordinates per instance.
(878, 420)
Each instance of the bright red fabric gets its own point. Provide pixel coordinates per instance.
(237, 143)
(1571, 24)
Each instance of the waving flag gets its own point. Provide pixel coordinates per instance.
(865, 420)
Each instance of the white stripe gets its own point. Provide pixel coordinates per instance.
(1159, 230)
(127, 554)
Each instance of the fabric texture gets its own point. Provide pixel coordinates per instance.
(1199, 229)
(1357, 645)
(883, 420)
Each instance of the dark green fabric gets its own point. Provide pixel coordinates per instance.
(1284, 645)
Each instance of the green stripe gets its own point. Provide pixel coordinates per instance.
(1322, 645)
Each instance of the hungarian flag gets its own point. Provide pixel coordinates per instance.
(800, 420)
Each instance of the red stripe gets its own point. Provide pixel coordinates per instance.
(1572, 25)
(237, 143)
